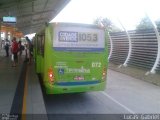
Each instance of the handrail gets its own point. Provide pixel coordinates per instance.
(130, 46)
(111, 46)
(158, 52)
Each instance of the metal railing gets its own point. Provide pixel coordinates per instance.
(144, 48)
(120, 47)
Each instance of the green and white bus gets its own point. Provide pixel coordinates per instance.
(71, 57)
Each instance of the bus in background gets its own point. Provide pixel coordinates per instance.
(71, 57)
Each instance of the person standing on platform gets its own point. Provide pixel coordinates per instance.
(14, 50)
(20, 48)
(7, 47)
(29, 50)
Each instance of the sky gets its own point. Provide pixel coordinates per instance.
(126, 12)
(121, 12)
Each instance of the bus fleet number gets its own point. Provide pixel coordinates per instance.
(96, 64)
(88, 37)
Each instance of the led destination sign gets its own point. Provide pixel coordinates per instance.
(9, 19)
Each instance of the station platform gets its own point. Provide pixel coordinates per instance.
(20, 91)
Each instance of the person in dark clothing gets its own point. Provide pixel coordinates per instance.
(7, 47)
(20, 48)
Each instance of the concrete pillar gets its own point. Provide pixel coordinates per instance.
(6, 35)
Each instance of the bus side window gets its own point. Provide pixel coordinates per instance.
(40, 45)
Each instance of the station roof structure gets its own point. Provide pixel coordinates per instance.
(31, 15)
